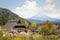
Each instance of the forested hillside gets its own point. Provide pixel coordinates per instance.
(6, 15)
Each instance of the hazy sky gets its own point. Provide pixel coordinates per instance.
(29, 8)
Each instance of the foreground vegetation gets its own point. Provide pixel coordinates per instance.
(45, 32)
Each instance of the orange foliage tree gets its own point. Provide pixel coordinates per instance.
(46, 23)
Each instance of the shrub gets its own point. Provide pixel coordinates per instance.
(45, 30)
(52, 37)
(37, 37)
(19, 38)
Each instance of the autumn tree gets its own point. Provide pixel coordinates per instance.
(26, 24)
(34, 24)
(47, 23)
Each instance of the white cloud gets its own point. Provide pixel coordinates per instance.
(54, 14)
(50, 9)
(30, 9)
(49, 1)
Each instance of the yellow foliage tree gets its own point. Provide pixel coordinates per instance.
(34, 24)
(26, 24)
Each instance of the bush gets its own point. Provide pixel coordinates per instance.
(6, 38)
(45, 30)
(37, 37)
(19, 37)
(52, 37)
(1, 33)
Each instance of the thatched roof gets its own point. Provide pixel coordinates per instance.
(10, 24)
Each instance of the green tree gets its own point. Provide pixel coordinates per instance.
(45, 30)
(3, 20)
(1, 23)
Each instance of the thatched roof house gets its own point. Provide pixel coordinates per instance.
(14, 24)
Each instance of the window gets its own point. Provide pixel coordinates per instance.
(19, 27)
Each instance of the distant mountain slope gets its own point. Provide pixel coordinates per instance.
(33, 20)
(6, 15)
(41, 18)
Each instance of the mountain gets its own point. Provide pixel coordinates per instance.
(41, 18)
(33, 20)
(6, 15)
